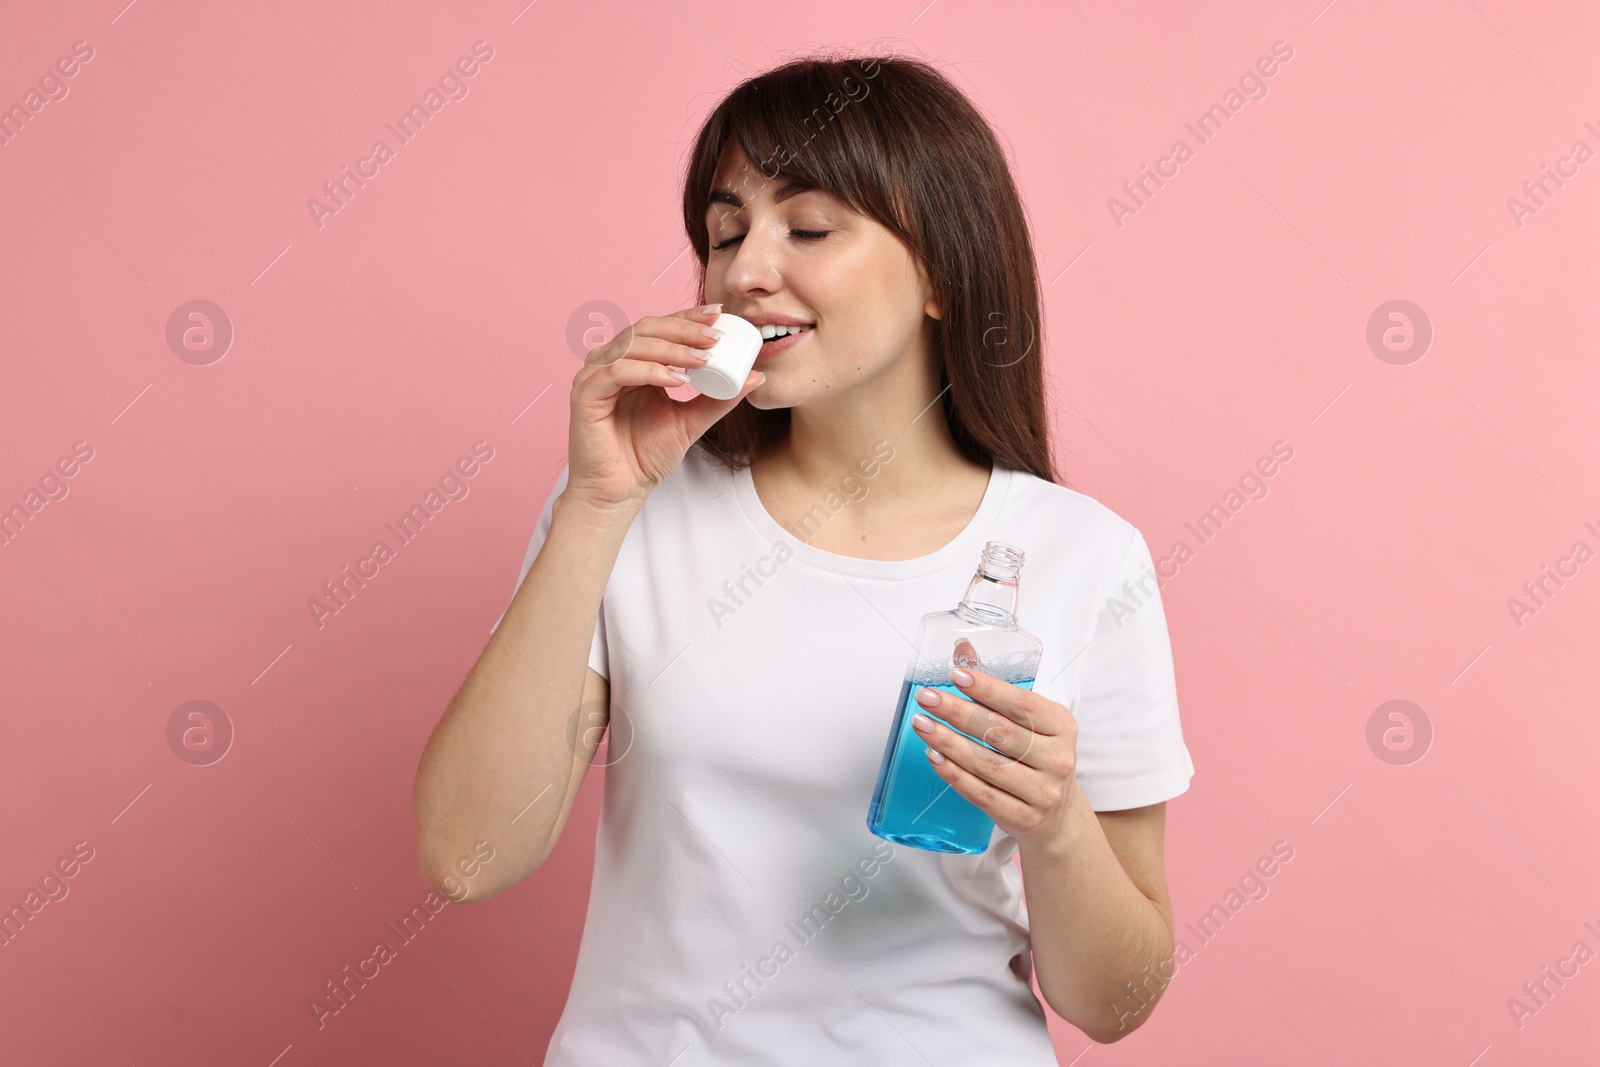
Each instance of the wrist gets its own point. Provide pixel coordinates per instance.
(593, 515)
(1074, 826)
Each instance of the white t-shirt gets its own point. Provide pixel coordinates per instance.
(741, 912)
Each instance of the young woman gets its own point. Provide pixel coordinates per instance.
(733, 587)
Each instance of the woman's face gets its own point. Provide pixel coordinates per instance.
(857, 283)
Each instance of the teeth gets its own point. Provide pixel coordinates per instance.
(769, 332)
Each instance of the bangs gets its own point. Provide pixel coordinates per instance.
(810, 125)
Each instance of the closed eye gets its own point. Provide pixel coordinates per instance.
(804, 235)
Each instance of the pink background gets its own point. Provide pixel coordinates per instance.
(1228, 313)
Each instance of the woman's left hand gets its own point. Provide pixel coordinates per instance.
(1028, 789)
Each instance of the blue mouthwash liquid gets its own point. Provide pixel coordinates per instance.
(911, 804)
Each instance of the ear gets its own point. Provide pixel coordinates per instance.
(930, 305)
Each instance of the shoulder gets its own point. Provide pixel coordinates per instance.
(697, 477)
(1057, 515)
(683, 495)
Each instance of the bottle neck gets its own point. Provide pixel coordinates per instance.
(991, 601)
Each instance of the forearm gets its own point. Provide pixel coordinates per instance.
(504, 735)
(1100, 944)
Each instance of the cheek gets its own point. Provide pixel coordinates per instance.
(845, 367)
(871, 342)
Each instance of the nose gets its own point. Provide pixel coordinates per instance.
(754, 268)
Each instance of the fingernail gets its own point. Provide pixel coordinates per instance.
(935, 755)
(922, 723)
(711, 309)
(927, 698)
(711, 331)
(678, 373)
(960, 677)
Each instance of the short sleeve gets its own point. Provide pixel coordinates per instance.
(1130, 742)
(541, 530)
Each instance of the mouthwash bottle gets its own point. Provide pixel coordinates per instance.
(911, 804)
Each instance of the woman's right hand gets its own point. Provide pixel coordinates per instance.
(626, 433)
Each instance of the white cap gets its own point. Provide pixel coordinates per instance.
(731, 358)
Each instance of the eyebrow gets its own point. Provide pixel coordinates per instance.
(785, 191)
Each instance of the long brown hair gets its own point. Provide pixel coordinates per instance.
(900, 144)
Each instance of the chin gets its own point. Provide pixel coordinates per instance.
(764, 403)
